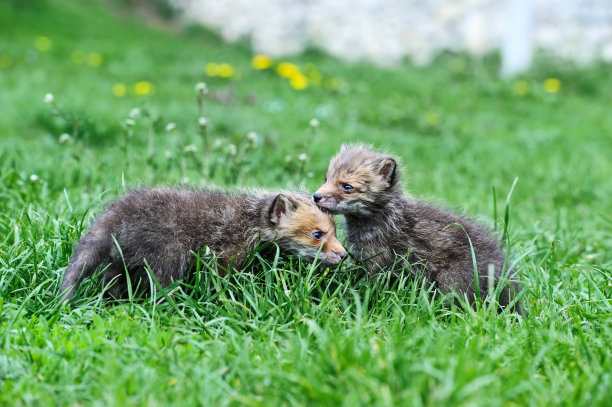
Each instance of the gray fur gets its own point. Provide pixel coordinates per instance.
(165, 225)
(382, 224)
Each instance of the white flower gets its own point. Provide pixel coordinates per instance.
(34, 178)
(168, 154)
(134, 113)
(49, 98)
(288, 159)
(129, 123)
(65, 138)
(170, 127)
(201, 89)
(191, 148)
(231, 149)
(314, 123)
(252, 136)
(203, 122)
(217, 143)
(303, 157)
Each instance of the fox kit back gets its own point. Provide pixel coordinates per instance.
(164, 227)
(362, 184)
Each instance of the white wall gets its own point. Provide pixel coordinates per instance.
(387, 31)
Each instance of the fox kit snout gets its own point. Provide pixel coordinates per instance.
(163, 227)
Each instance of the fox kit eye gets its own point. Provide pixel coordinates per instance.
(347, 187)
(317, 234)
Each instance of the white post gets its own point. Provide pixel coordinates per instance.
(517, 41)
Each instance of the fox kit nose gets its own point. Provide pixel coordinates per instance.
(341, 253)
(317, 197)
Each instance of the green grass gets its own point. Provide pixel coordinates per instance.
(281, 333)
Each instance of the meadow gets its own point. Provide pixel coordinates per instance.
(94, 101)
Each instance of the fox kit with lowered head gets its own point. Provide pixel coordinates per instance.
(164, 226)
(362, 184)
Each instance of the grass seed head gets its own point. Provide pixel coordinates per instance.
(135, 113)
(231, 149)
(203, 122)
(65, 138)
(201, 89)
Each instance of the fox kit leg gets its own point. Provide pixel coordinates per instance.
(114, 280)
(171, 267)
(168, 266)
(507, 296)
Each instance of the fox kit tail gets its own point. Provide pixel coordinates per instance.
(92, 249)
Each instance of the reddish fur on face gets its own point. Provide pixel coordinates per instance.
(370, 175)
(298, 224)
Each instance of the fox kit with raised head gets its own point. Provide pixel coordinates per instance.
(362, 184)
(164, 226)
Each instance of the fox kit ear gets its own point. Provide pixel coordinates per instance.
(387, 170)
(281, 206)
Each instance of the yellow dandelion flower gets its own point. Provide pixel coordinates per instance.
(552, 85)
(298, 81)
(77, 57)
(143, 88)
(42, 43)
(94, 59)
(5, 61)
(211, 69)
(119, 90)
(521, 88)
(431, 118)
(225, 70)
(261, 62)
(287, 69)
